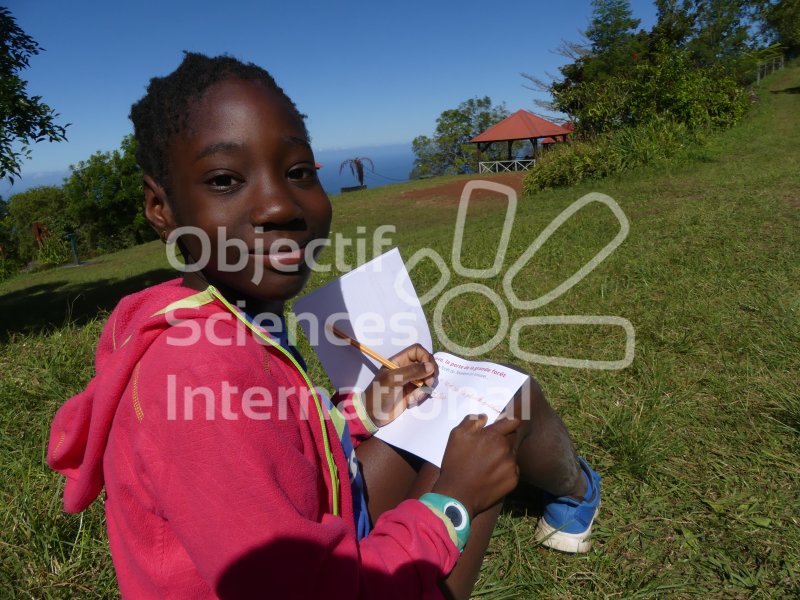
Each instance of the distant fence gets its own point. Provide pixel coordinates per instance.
(769, 66)
(501, 166)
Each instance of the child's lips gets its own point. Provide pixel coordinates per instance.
(283, 260)
(286, 259)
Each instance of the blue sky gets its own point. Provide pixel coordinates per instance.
(366, 73)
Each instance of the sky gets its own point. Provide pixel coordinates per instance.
(366, 73)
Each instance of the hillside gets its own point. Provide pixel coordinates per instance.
(697, 440)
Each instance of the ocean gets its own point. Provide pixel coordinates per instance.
(392, 163)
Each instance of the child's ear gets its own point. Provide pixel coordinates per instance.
(157, 208)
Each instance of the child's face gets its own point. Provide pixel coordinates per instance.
(243, 163)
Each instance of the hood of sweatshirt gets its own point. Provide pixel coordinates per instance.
(80, 429)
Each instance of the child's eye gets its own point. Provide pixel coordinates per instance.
(303, 174)
(222, 182)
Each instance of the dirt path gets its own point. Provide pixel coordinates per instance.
(450, 192)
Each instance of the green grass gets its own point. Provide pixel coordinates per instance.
(697, 440)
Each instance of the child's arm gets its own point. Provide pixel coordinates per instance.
(352, 409)
(244, 496)
(391, 392)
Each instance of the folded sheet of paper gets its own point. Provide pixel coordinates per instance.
(376, 304)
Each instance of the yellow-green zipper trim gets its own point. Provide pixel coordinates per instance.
(326, 442)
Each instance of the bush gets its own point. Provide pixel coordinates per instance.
(8, 268)
(651, 113)
(610, 153)
(45, 205)
(54, 252)
(667, 86)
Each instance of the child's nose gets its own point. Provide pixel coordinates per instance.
(275, 205)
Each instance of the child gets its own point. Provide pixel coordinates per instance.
(226, 475)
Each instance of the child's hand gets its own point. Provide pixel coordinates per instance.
(479, 465)
(393, 390)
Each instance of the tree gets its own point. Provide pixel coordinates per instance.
(24, 119)
(674, 24)
(667, 85)
(104, 200)
(613, 50)
(357, 167)
(721, 34)
(9, 259)
(8, 242)
(780, 22)
(448, 151)
(612, 45)
(612, 34)
(688, 68)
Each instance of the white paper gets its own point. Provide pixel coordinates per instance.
(464, 388)
(376, 304)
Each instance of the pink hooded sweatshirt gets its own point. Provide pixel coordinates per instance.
(217, 464)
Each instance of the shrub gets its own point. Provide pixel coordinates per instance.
(665, 86)
(8, 268)
(45, 205)
(54, 252)
(610, 153)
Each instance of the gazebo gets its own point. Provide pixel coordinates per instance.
(522, 125)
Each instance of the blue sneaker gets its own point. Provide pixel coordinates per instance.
(566, 524)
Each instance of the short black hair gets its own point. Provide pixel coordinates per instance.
(161, 113)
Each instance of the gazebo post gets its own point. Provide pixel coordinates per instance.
(478, 157)
(509, 142)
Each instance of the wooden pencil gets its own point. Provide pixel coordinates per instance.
(368, 351)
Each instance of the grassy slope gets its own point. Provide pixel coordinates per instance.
(697, 441)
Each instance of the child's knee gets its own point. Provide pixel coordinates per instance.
(528, 400)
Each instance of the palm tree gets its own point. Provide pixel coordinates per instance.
(357, 167)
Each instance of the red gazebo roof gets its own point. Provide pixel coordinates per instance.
(522, 125)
